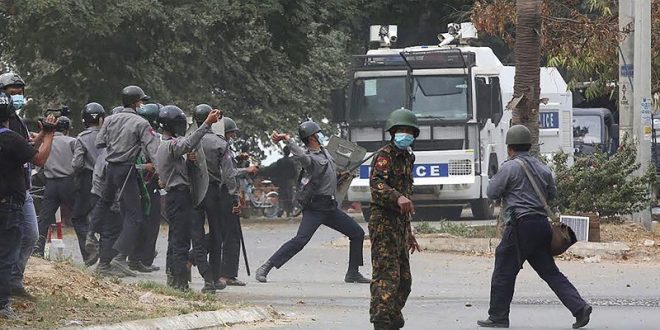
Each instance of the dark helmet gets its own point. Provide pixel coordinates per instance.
(6, 107)
(63, 124)
(150, 112)
(402, 117)
(172, 119)
(201, 112)
(92, 114)
(11, 79)
(230, 125)
(518, 134)
(132, 94)
(307, 129)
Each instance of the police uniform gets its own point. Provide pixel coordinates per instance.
(125, 135)
(322, 209)
(529, 223)
(173, 170)
(211, 209)
(229, 222)
(60, 190)
(391, 177)
(85, 154)
(104, 220)
(145, 247)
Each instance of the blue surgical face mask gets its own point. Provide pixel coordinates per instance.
(403, 140)
(323, 140)
(18, 100)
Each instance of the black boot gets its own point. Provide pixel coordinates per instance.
(397, 322)
(582, 317)
(354, 276)
(263, 271)
(219, 284)
(119, 262)
(382, 326)
(488, 323)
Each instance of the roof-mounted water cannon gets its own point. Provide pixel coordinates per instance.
(463, 32)
(385, 35)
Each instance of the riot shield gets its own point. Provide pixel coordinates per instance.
(348, 156)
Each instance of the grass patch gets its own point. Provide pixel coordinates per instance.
(165, 290)
(456, 229)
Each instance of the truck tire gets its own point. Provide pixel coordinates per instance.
(482, 209)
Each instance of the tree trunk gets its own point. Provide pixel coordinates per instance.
(528, 57)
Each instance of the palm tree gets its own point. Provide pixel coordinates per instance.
(527, 50)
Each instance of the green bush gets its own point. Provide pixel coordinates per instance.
(603, 184)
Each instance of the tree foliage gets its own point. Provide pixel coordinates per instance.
(603, 185)
(579, 36)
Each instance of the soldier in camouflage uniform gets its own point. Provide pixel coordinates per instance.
(391, 182)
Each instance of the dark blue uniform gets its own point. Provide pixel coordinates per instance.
(526, 236)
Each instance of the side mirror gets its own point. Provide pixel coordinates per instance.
(338, 104)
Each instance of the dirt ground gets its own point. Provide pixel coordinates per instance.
(69, 296)
(635, 235)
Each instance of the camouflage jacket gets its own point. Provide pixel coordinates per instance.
(391, 177)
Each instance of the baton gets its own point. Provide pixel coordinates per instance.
(245, 257)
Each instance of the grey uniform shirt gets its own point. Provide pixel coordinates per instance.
(124, 135)
(85, 151)
(58, 164)
(170, 163)
(98, 178)
(214, 149)
(314, 161)
(511, 184)
(230, 170)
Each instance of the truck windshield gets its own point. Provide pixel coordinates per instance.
(442, 97)
(587, 129)
(374, 98)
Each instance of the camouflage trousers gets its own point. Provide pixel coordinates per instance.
(391, 279)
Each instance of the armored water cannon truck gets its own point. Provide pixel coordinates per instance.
(458, 93)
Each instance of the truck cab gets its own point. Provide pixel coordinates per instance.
(594, 129)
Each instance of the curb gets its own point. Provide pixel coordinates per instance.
(448, 243)
(199, 320)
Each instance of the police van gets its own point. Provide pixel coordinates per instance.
(459, 95)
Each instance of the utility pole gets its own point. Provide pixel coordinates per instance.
(642, 122)
(626, 63)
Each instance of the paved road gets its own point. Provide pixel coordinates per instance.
(449, 291)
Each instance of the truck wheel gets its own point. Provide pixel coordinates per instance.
(482, 209)
(366, 213)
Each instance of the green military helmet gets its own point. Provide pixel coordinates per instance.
(402, 117)
(132, 94)
(518, 134)
(201, 112)
(150, 113)
(230, 125)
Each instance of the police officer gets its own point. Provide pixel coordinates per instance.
(229, 204)
(175, 179)
(14, 152)
(85, 154)
(322, 207)
(59, 186)
(125, 135)
(527, 234)
(390, 230)
(214, 148)
(142, 257)
(14, 86)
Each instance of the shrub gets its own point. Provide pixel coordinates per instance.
(603, 184)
